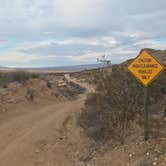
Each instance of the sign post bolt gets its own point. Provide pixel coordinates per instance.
(146, 124)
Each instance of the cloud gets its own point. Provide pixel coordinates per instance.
(77, 31)
(77, 16)
(17, 59)
(87, 57)
(79, 51)
(70, 47)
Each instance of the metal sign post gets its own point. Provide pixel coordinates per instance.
(145, 68)
(146, 121)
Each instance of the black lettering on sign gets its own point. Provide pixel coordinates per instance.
(145, 71)
(144, 60)
(145, 65)
(145, 77)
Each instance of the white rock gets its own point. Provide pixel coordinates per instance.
(147, 153)
(130, 155)
(154, 163)
(37, 151)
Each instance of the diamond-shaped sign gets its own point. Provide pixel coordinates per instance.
(145, 68)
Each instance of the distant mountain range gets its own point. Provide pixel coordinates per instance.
(70, 68)
(2, 67)
(159, 54)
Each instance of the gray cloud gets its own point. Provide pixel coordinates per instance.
(83, 27)
(79, 17)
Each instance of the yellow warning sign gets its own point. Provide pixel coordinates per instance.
(145, 68)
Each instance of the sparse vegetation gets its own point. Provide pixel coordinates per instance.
(88, 75)
(49, 85)
(62, 86)
(6, 78)
(72, 90)
(30, 94)
(116, 102)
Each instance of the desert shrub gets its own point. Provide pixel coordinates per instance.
(5, 86)
(30, 95)
(116, 102)
(75, 88)
(6, 78)
(88, 75)
(72, 90)
(49, 85)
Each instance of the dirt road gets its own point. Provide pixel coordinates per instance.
(45, 136)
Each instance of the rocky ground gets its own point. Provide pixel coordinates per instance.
(42, 131)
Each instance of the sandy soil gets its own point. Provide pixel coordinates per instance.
(36, 134)
(46, 133)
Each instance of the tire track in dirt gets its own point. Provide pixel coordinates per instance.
(39, 137)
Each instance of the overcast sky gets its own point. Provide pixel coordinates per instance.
(36, 33)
